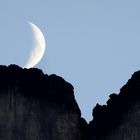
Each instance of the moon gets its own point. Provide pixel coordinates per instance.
(38, 47)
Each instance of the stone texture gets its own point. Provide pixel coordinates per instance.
(35, 106)
(120, 118)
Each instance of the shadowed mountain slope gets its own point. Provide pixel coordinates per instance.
(35, 106)
(120, 118)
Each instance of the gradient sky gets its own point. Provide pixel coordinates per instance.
(93, 44)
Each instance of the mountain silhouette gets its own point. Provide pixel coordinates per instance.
(37, 106)
(119, 119)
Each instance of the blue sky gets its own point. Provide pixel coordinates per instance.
(93, 44)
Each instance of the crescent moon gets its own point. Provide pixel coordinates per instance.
(38, 47)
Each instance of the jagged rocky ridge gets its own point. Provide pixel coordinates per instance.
(37, 106)
(120, 118)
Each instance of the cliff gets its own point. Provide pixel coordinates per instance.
(120, 118)
(35, 106)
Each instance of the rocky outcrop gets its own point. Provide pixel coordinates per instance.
(120, 118)
(35, 106)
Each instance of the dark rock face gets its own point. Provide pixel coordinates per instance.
(120, 118)
(34, 106)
